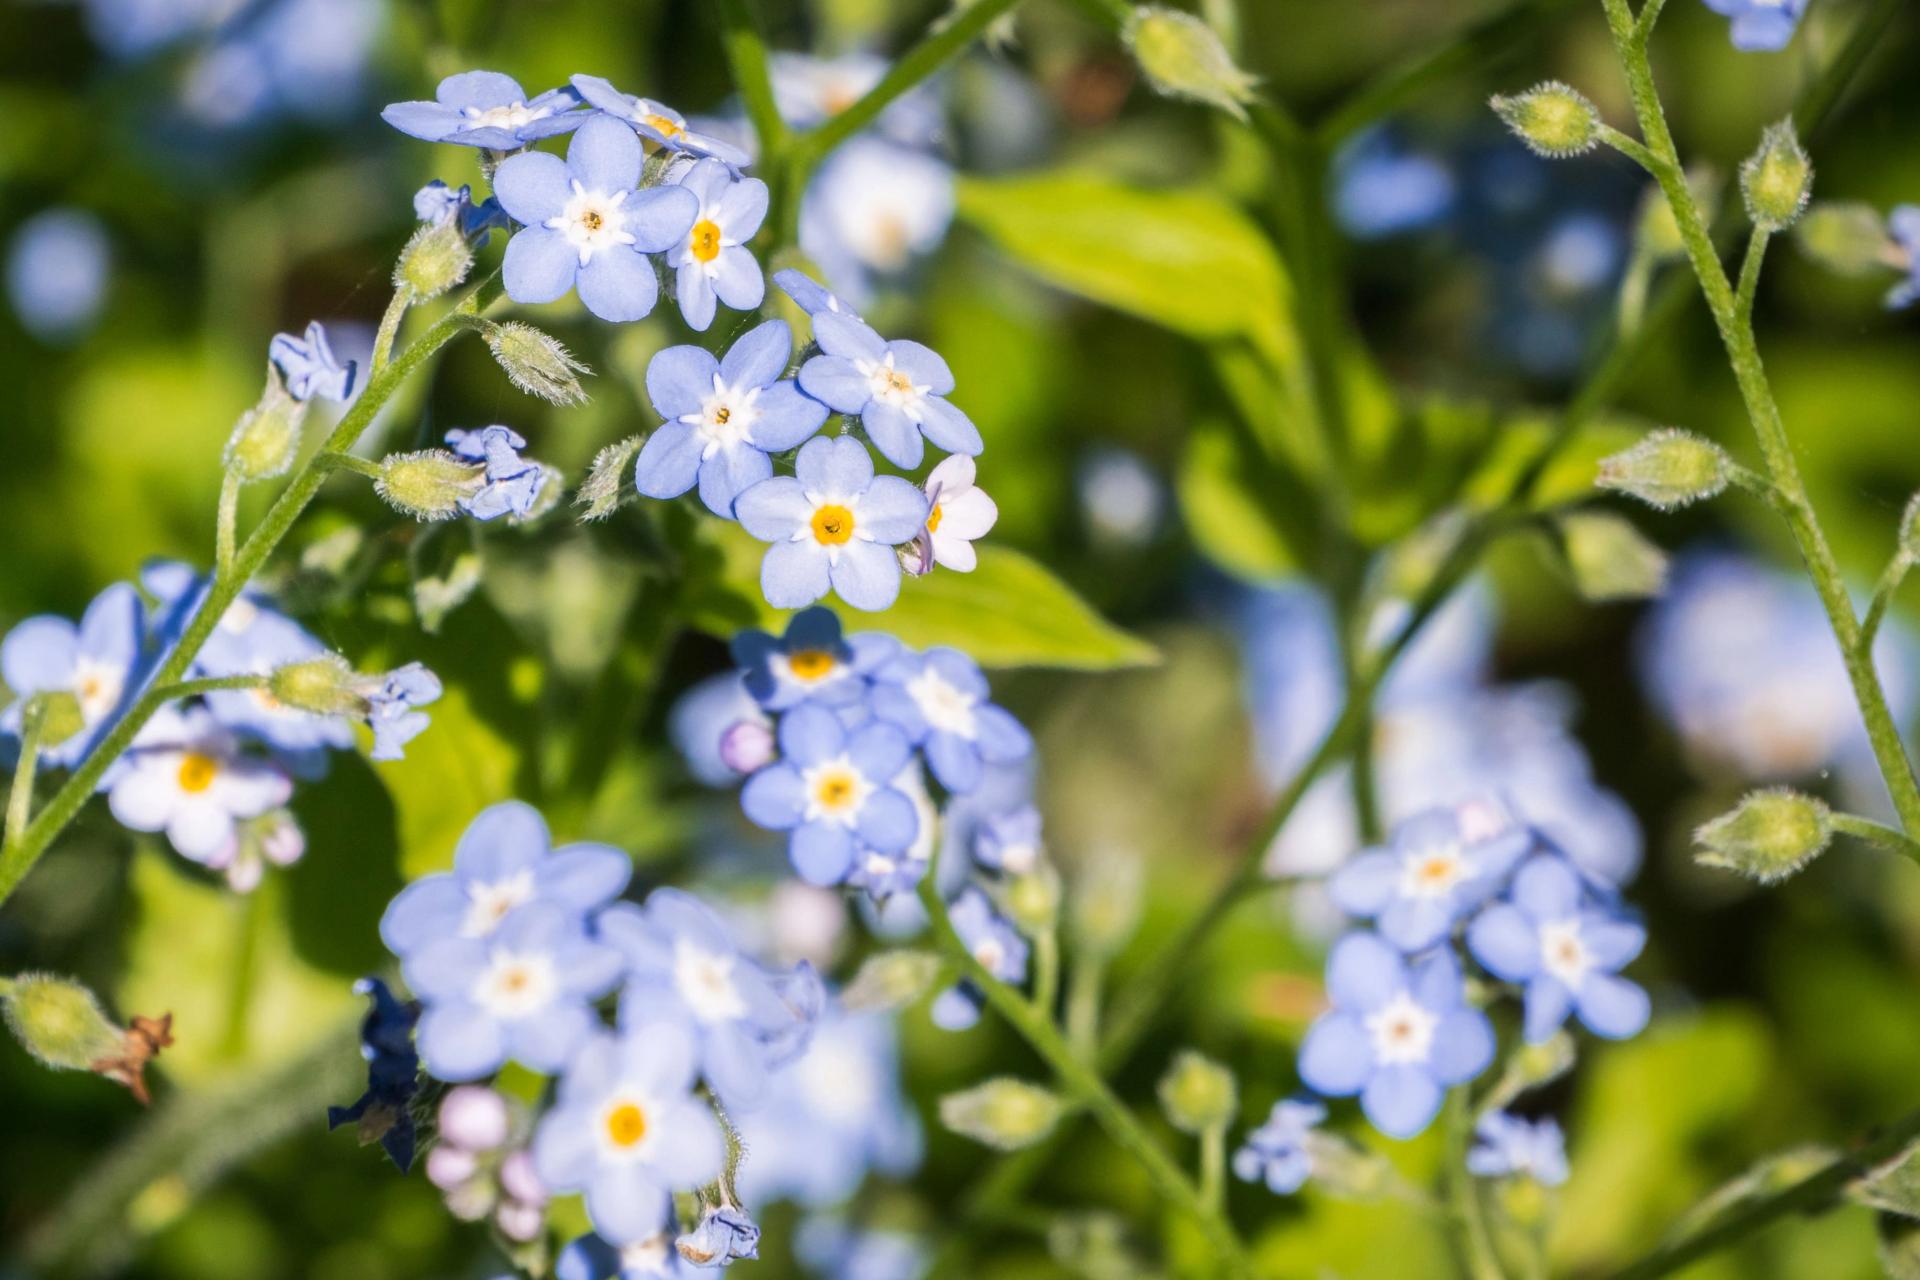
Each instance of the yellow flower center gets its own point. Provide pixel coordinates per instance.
(900, 382)
(933, 519)
(704, 242)
(197, 772)
(810, 664)
(592, 220)
(626, 1124)
(1437, 870)
(832, 524)
(834, 791)
(662, 125)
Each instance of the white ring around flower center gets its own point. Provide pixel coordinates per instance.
(893, 386)
(512, 116)
(514, 985)
(704, 980)
(836, 789)
(1402, 1031)
(592, 221)
(488, 904)
(1563, 953)
(944, 706)
(1432, 873)
(726, 417)
(97, 687)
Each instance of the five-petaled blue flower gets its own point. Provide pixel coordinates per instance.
(512, 483)
(1398, 1034)
(487, 109)
(308, 367)
(254, 638)
(438, 203)
(684, 967)
(1010, 841)
(994, 942)
(586, 223)
(1433, 871)
(657, 122)
(833, 789)
(1277, 1152)
(723, 417)
(628, 1131)
(1761, 26)
(501, 862)
(724, 1234)
(898, 389)
(939, 698)
(1507, 1146)
(1565, 948)
(93, 663)
(1903, 225)
(811, 661)
(832, 524)
(385, 1110)
(393, 708)
(713, 258)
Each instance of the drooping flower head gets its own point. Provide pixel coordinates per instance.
(939, 699)
(1761, 26)
(489, 110)
(712, 260)
(897, 389)
(809, 294)
(833, 789)
(724, 1235)
(94, 665)
(437, 204)
(958, 512)
(187, 776)
(586, 223)
(511, 484)
(385, 1111)
(723, 418)
(994, 942)
(1438, 866)
(1277, 1153)
(308, 367)
(1506, 1146)
(393, 708)
(1010, 842)
(657, 122)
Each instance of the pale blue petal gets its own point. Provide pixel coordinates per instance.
(669, 461)
(1337, 1056)
(1364, 973)
(1401, 1100)
(846, 335)
(892, 510)
(1365, 883)
(775, 509)
(742, 208)
(729, 473)
(835, 383)
(679, 380)
(836, 467)
(532, 187)
(737, 278)
(660, 218)
(949, 428)
(481, 89)
(787, 418)
(540, 265)
(605, 156)
(694, 292)
(954, 760)
(774, 798)
(1611, 1006)
(923, 364)
(759, 356)
(793, 573)
(822, 852)
(1546, 888)
(888, 821)
(866, 576)
(459, 1043)
(1505, 942)
(893, 434)
(1547, 1004)
(1462, 1046)
(618, 284)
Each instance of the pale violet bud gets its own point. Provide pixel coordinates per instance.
(1553, 119)
(326, 686)
(600, 494)
(473, 1117)
(1032, 901)
(1105, 906)
(449, 1166)
(1609, 558)
(281, 839)
(1197, 1093)
(1668, 468)
(1183, 57)
(1777, 179)
(519, 1179)
(892, 979)
(1768, 836)
(58, 1021)
(1004, 1113)
(437, 257)
(519, 1221)
(267, 437)
(537, 363)
(1848, 237)
(429, 484)
(747, 746)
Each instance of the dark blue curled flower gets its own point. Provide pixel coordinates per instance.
(437, 203)
(724, 1235)
(393, 708)
(487, 109)
(308, 367)
(384, 1112)
(512, 484)
(811, 662)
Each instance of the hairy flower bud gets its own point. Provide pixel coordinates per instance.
(58, 1021)
(1198, 1093)
(1183, 57)
(437, 257)
(1004, 1113)
(1668, 468)
(1105, 907)
(267, 437)
(537, 363)
(428, 485)
(1777, 179)
(1768, 836)
(1553, 119)
(1609, 558)
(1847, 236)
(325, 686)
(891, 980)
(1032, 901)
(601, 493)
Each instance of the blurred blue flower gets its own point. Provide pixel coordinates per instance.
(832, 524)
(95, 663)
(872, 210)
(1435, 869)
(723, 417)
(1763, 26)
(393, 708)
(187, 776)
(939, 699)
(808, 91)
(994, 942)
(513, 483)
(58, 266)
(810, 661)
(585, 223)
(523, 990)
(306, 58)
(713, 723)
(651, 1258)
(833, 789)
(254, 638)
(1903, 225)
(133, 28)
(809, 294)
(385, 1111)
(502, 861)
(1276, 1153)
(1010, 842)
(1383, 188)
(438, 203)
(658, 123)
(1399, 1034)
(627, 1130)
(1565, 948)
(712, 259)
(833, 1249)
(897, 389)
(725, 1234)
(1506, 1146)
(308, 367)
(489, 110)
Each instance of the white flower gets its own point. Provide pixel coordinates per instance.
(186, 777)
(957, 513)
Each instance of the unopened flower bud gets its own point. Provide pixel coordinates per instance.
(1768, 836)
(1183, 57)
(58, 1021)
(1347, 1171)
(428, 485)
(1553, 119)
(601, 493)
(450, 1166)
(1032, 901)
(537, 363)
(891, 979)
(1198, 1093)
(326, 686)
(1848, 237)
(519, 1221)
(747, 745)
(437, 257)
(1609, 558)
(267, 437)
(473, 1117)
(1105, 906)
(519, 1179)
(1668, 468)
(1777, 179)
(724, 1234)
(1004, 1113)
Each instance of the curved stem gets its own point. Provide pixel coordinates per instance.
(1877, 834)
(1883, 592)
(228, 513)
(389, 329)
(1466, 1218)
(1750, 275)
(208, 684)
(746, 52)
(20, 795)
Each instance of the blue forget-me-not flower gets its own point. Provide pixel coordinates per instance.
(1761, 26)
(994, 942)
(811, 661)
(308, 367)
(939, 699)
(833, 789)
(712, 260)
(658, 123)
(511, 484)
(1436, 868)
(898, 389)
(94, 663)
(1506, 1146)
(1277, 1152)
(489, 110)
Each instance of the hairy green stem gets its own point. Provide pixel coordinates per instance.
(1750, 275)
(389, 329)
(1877, 834)
(1083, 1004)
(224, 519)
(20, 796)
(1883, 592)
(1046, 970)
(67, 802)
(339, 460)
(1466, 1218)
(206, 684)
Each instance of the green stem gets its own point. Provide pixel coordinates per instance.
(746, 51)
(1046, 971)
(1750, 276)
(340, 460)
(1466, 1218)
(243, 971)
(1749, 373)
(1083, 1005)
(206, 684)
(1083, 1083)
(390, 327)
(1877, 834)
(20, 796)
(1883, 593)
(67, 802)
(224, 520)
(1643, 26)
(1816, 1191)
(1213, 1166)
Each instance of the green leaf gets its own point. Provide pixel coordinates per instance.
(1235, 508)
(1009, 612)
(458, 767)
(1568, 478)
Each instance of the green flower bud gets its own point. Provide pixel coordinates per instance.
(1553, 119)
(1197, 1093)
(891, 980)
(436, 259)
(600, 494)
(1668, 468)
(1769, 835)
(1347, 1171)
(1848, 237)
(267, 437)
(537, 363)
(1183, 57)
(325, 686)
(1609, 558)
(1105, 907)
(1032, 901)
(428, 485)
(1777, 179)
(58, 1021)
(435, 598)
(1004, 1113)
